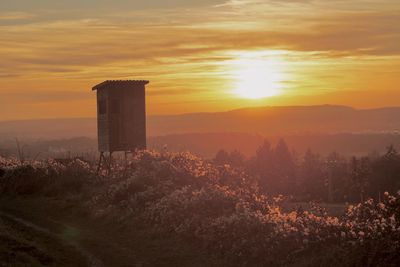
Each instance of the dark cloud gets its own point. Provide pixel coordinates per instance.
(30, 5)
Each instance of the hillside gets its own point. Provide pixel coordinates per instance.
(168, 209)
(260, 120)
(208, 144)
(279, 120)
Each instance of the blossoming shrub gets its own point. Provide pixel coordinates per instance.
(220, 208)
(47, 177)
(375, 228)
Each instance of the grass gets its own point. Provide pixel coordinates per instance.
(134, 245)
(21, 245)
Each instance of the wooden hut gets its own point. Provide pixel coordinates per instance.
(121, 115)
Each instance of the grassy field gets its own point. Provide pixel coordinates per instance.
(59, 233)
(67, 237)
(25, 244)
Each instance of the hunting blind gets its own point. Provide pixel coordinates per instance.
(121, 115)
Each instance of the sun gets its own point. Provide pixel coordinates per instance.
(258, 75)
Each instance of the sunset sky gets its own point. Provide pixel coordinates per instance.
(198, 55)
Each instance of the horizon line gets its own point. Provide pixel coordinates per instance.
(213, 112)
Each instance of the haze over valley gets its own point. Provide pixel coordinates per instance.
(324, 129)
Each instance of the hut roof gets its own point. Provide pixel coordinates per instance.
(120, 84)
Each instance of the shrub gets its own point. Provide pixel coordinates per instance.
(48, 177)
(220, 208)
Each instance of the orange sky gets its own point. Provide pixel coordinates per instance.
(197, 54)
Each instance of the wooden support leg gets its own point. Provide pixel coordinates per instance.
(101, 159)
(126, 162)
(109, 164)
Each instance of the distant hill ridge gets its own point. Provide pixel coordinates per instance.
(269, 120)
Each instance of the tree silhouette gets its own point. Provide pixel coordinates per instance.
(312, 176)
(222, 157)
(285, 168)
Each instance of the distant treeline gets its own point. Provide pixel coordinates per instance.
(311, 176)
(305, 174)
(207, 145)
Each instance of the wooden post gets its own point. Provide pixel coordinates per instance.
(109, 163)
(100, 162)
(103, 160)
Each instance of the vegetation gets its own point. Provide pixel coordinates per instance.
(312, 177)
(22, 246)
(217, 208)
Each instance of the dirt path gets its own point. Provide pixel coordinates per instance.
(98, 241)
(64, 240)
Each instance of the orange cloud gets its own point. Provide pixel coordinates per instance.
(186, 49)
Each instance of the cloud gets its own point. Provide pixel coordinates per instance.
(174, 92)
(44, 96)
(100, 4)
(184, 47)
(16, 16)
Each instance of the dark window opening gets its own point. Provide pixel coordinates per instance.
(102, 107)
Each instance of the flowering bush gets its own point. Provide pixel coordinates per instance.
(220, 208)
(42, 177)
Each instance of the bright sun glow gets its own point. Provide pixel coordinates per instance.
(258, 75)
